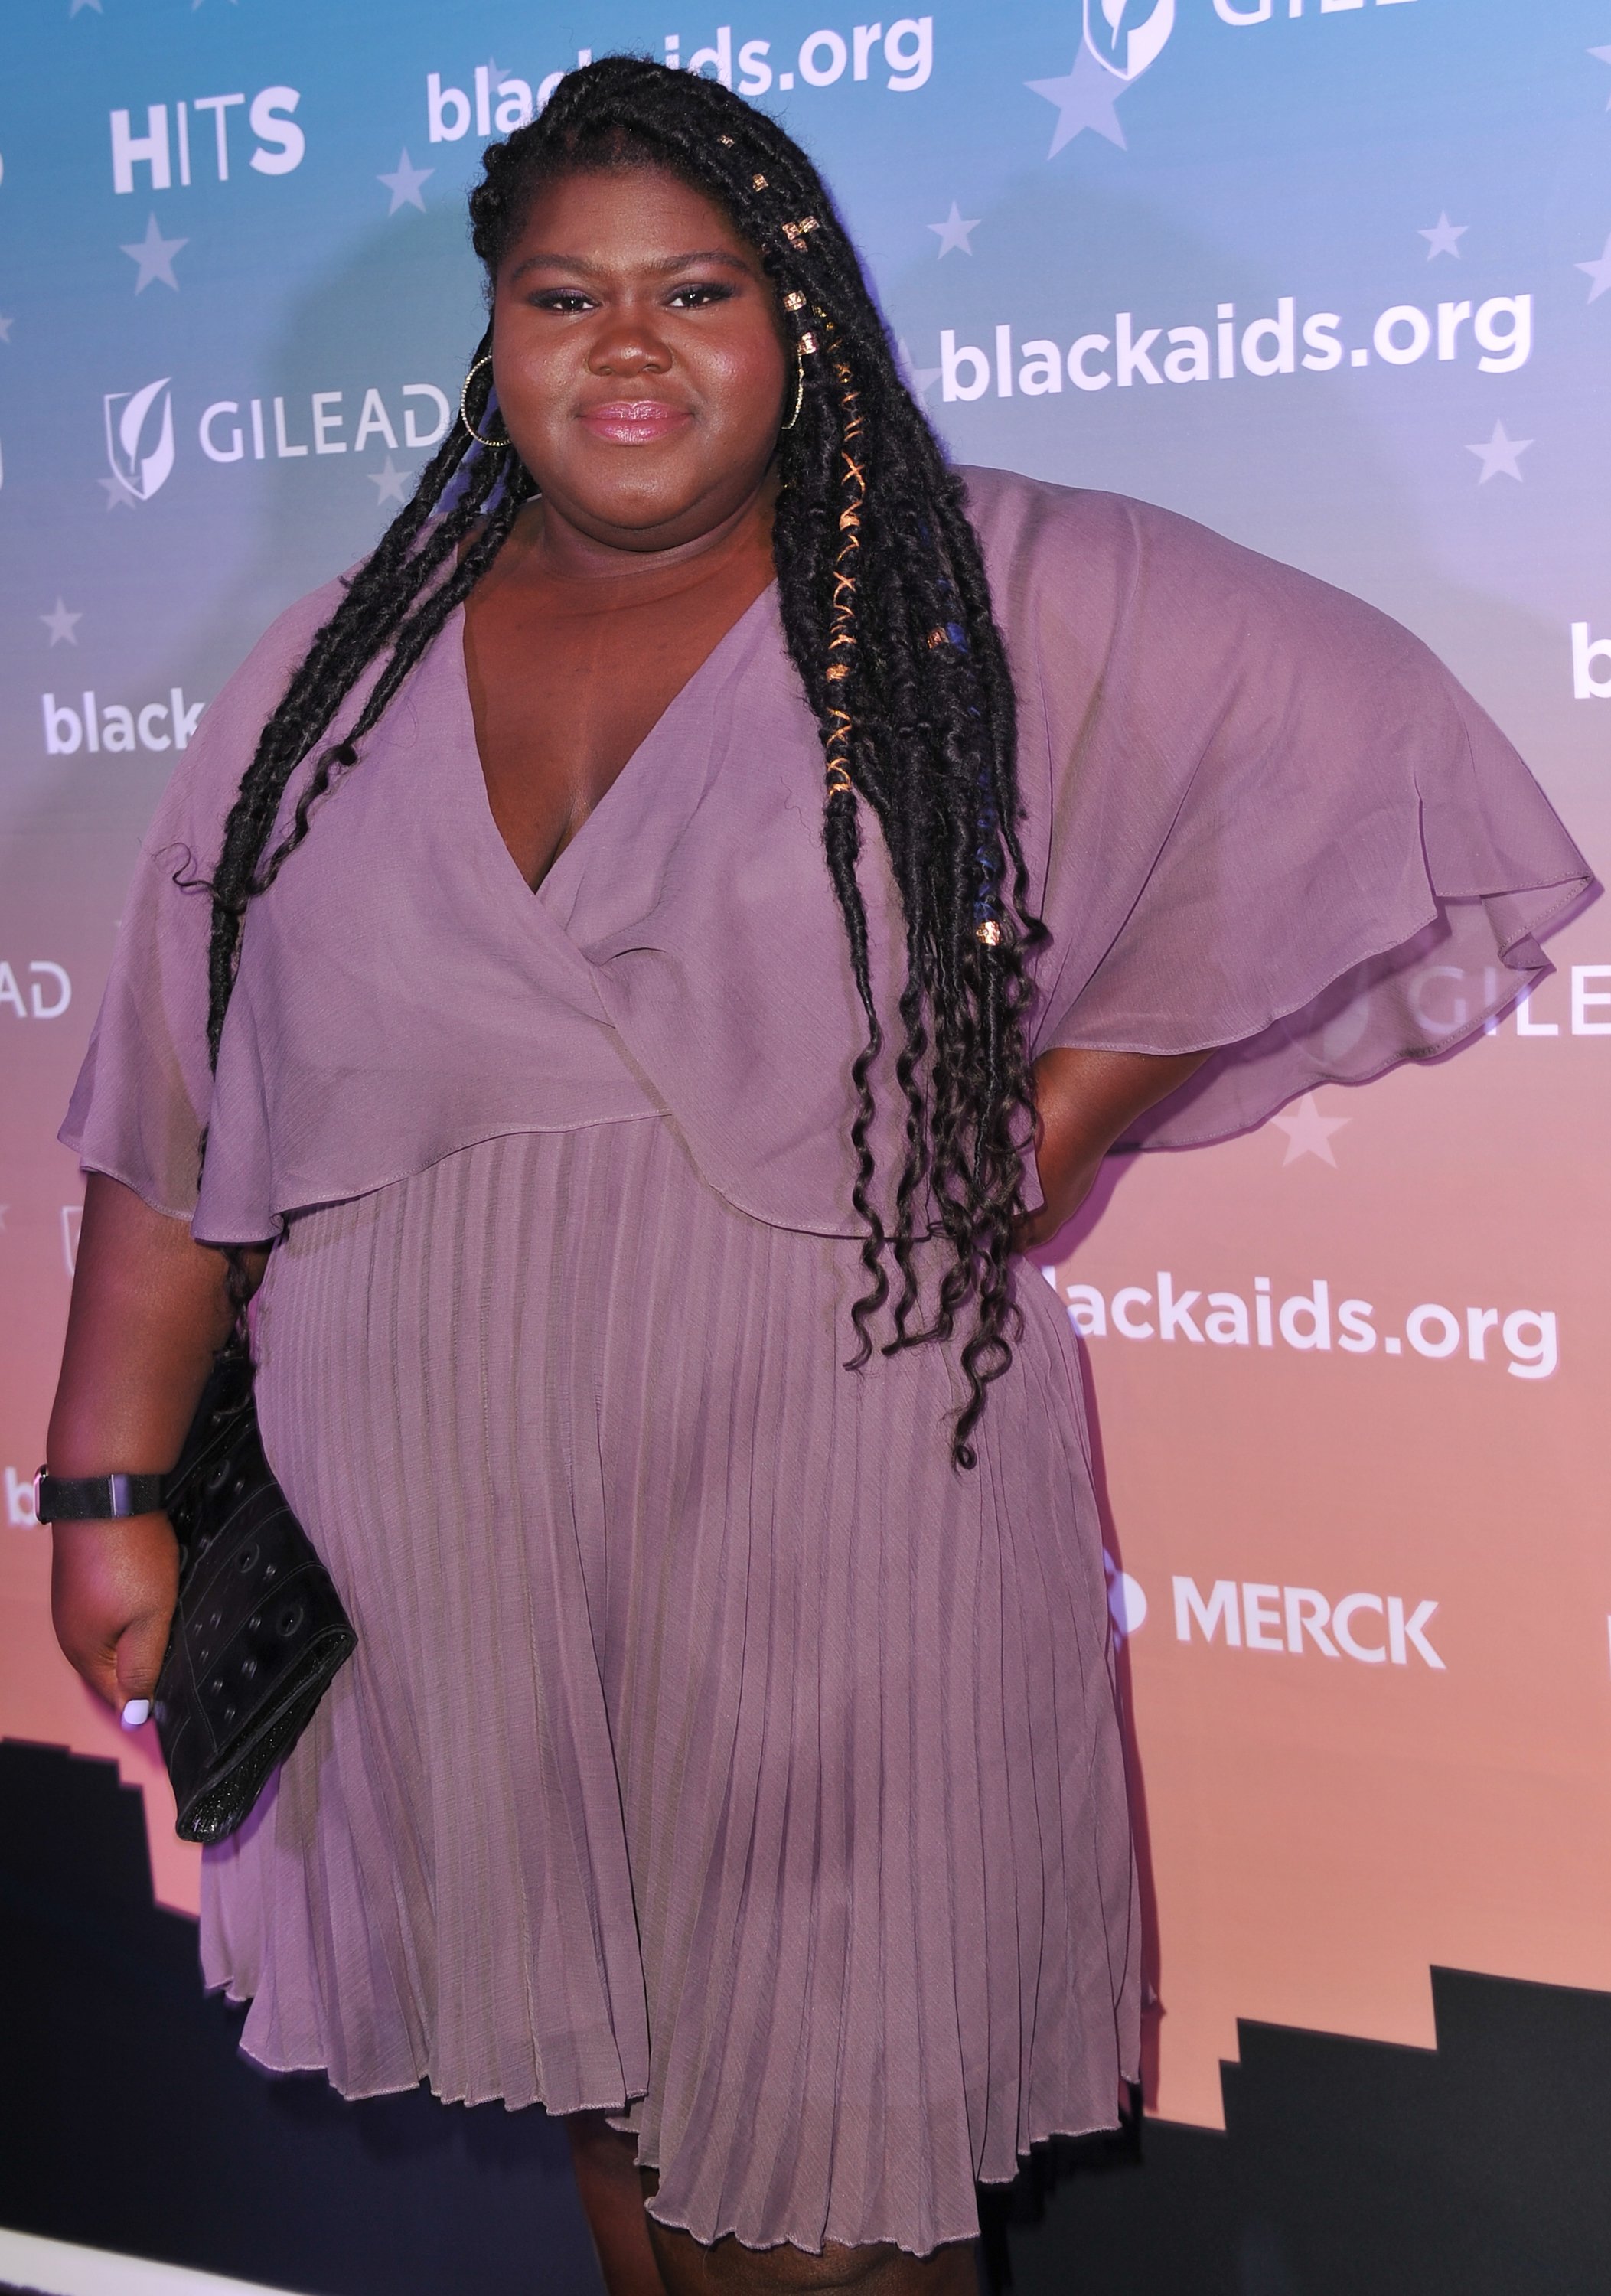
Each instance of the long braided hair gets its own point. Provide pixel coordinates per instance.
(887, 617)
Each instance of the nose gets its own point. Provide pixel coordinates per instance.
(629, 344)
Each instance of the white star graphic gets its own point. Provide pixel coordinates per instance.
(1604, 55)
(953, 233)
(61, 623)
(919, 378)
(1498, 456)
(73, 11)
(494, 72)
(6, 329)
(119, 497)
(389, 483)
(1445, 237)
(1308, 1132)
(1599, 271)
(404, 184)
(155, 256)
(1085, 98)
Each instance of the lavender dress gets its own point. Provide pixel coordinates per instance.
(714, 1754)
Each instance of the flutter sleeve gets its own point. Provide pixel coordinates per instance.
(142, 1094)
(1267, 821)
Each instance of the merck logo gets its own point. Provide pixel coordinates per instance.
(140, 438)
(1128, 35)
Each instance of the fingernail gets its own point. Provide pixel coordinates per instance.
(137, 1710)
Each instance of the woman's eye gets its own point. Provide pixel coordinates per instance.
(566, 301)
(698, 294)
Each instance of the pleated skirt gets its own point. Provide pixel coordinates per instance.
(714, 1754)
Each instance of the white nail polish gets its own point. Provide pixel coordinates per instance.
(136, 1711)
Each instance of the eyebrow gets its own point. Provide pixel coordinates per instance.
(545, 260)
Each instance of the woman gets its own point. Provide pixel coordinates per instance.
(621, 953)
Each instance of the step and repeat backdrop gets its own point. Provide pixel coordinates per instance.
(1333, 276)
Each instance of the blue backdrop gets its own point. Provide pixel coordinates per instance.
(1333, 276)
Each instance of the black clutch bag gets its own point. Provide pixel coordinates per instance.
(258, 1631)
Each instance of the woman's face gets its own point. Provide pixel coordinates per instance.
(638, 355)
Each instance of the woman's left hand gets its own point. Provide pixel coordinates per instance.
(1085, 1101)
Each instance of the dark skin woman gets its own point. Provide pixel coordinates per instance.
(643, 367)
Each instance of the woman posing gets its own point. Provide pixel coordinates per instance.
(648, 950)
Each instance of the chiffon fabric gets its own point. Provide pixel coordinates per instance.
(714, 1752)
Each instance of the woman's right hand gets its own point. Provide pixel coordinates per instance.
(113, 1585)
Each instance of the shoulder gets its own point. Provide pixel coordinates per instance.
(263, 675)
(1126, 581)
(205, 779)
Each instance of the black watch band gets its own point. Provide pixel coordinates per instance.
(95, 1498)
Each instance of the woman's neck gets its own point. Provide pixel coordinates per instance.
(552, 549)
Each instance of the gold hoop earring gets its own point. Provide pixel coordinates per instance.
(799, 384)
(464, 414)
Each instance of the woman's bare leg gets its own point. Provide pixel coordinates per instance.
(613, 2201)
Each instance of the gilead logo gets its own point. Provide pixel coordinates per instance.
(140, 438)
(1126, 39)
(1372, 1629)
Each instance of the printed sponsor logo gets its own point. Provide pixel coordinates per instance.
(1370, 1629)
(115, 726)
(140, 438)
(164, 150)
(1585, 1010)
(1121, 39)
(141, 432)
(1127, 38)
(1260, 12)
(1525, 1339)
(899, 57)
(1498, 332)
(232, 430)
(39, 990)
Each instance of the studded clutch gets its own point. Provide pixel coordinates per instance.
(258, 1632)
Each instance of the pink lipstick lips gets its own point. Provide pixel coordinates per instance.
(634, 422)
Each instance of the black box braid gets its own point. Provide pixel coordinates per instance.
(887, 615)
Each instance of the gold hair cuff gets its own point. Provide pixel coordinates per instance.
(989, 932)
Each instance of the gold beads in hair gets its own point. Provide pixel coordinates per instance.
(793, 301)
(989, 932)
(727, 140)
(808, 342)
(758, 183)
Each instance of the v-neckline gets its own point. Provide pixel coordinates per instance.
(630, 771)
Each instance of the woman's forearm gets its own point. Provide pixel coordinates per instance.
(1085, 1101)
(149, 1308)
